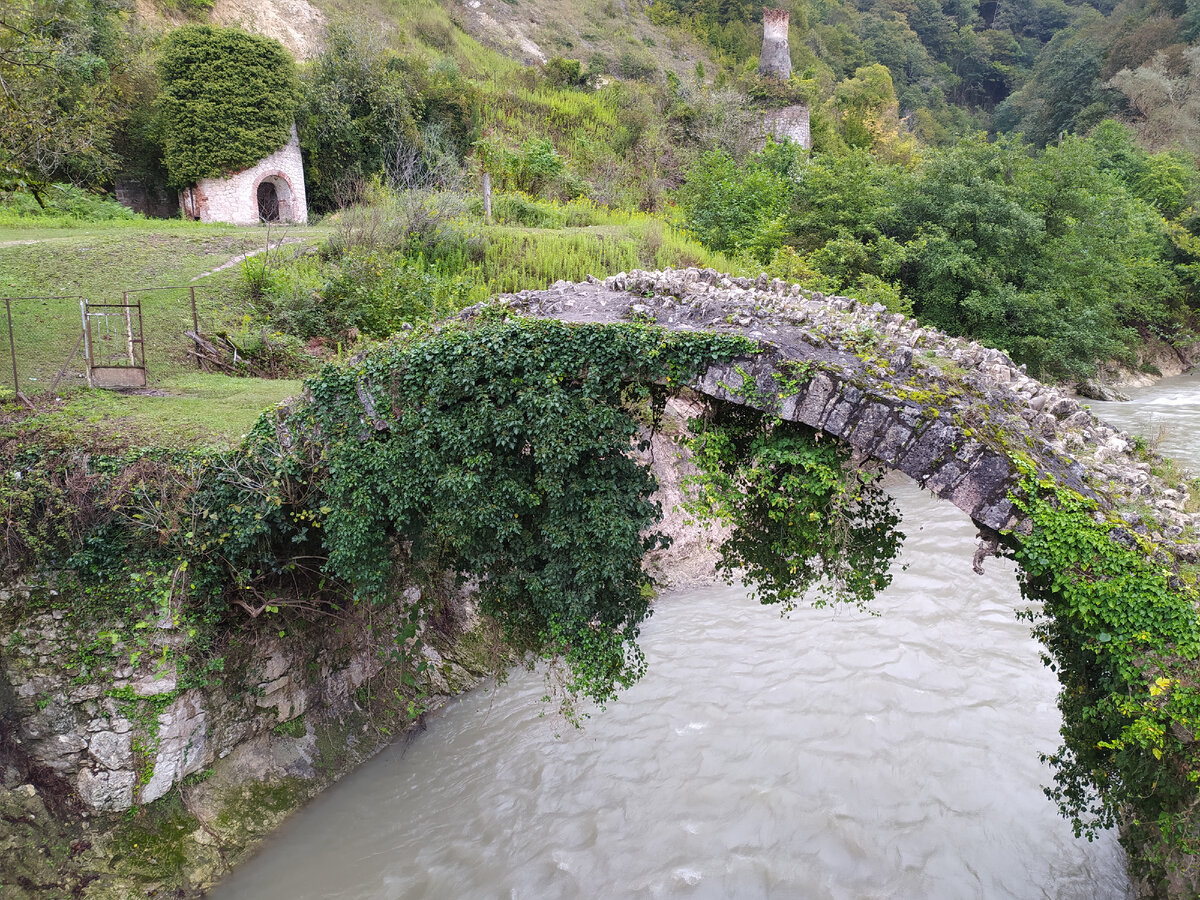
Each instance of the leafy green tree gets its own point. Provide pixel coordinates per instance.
(58, 104)
(841, 197)
(228, 99)
(1167, 181)
(732, 208)
(1047, 255)
(367, 113)
(355, 111)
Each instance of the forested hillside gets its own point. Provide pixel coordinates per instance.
(1021, 172)
(1040, 67)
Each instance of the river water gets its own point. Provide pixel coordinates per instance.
(833, 754)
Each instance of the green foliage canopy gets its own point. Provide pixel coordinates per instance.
(1055, 255)
(731, 208)
(501, 452)
(368, 113)
(228, 99)
(802, 518)
(59, 105)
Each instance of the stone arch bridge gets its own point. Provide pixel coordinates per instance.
(948, 412)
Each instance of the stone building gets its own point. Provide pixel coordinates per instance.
(775, 61)
(787, 123)
(271, 191)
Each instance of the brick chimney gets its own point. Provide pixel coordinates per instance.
(775, 61)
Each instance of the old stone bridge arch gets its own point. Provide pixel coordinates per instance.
(971, 427)
(948, 412)
(962, 420)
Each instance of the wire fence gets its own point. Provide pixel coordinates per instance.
(40, 335)
(41, 338)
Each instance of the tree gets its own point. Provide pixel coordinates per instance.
(732, 208)
(1065, 92)
(867, 112)
(366, 112)
(57, 102)
(228, 99)
(1165, 105)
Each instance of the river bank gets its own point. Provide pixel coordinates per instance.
(1156, 359)
(121, 780)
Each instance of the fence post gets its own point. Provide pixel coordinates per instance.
(196, 325)
(87, 342)
(128, 329)
(12, 346)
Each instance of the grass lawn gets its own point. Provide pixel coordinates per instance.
(58, 264)
(189, 410)
(100, 261)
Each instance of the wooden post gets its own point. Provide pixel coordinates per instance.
(487, 197)
(12, 347)
(128, 329)
(195, 329)
(87, 342)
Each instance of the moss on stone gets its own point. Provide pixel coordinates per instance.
(151, 844)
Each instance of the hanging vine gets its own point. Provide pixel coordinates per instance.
(1123, 636)
(804, 521)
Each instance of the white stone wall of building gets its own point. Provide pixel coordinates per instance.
(234, 199)
(791, 123)
(775, 61)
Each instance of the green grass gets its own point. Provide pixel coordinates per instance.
(531, 258)
(62, 262)
(99, 262)
(186, 411)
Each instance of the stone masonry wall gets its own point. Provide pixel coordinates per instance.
(234, 199)
(791, 123)
(105, 706)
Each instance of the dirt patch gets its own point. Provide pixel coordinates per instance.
(534, 30)
(509, 35)
(296, 24)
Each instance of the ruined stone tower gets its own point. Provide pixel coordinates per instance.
(775, 61)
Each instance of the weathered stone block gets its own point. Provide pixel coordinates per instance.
(106, 791)
(112, 750)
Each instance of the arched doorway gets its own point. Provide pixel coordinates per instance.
(268, 202)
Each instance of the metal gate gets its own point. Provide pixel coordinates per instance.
(114, 344)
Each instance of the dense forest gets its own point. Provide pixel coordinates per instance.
(1020, 172)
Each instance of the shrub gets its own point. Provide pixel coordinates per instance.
(565, 73)
(63, 201)
(733, 208)
(377, 293)
(521, 209)
(389, 220)
(228, 99)
(537, 163)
